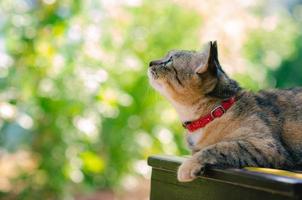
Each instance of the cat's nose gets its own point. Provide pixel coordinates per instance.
(155, 62)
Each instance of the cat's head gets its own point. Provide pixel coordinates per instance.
(187, 76)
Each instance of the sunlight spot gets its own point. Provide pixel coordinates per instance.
(129, 182)
(247, 3)
(169, 116)
(93, 33)
(49, 1)
(76, 176)
(75, 33)
(6, 62)
(109, 96)
(132, 63)
(58, 62)
(25, 121)
(166, 138)
(108, 110)
(124, 99)
(101, 75)
(46, 87)
(21, 20)
(133, 3)
(233, 28)
(75, 161)
(7, 111)
(142, 167)
(92, 78)
(144, 139)
(86, 125)
(164, 135)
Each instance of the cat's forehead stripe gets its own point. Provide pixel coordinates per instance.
(182, 52)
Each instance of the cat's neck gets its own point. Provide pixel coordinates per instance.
(192, 112)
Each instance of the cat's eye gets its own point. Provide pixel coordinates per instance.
(168, 62)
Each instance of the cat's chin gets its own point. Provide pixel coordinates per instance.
(153, 82)
(157, 86)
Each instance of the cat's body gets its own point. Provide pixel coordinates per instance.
(261, 129)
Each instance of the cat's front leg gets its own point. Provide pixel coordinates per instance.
(192, 167)
(189, 170)
(220, 154)
(262, 153)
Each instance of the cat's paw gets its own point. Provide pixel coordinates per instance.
(189, 170)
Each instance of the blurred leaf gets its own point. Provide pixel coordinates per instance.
(92, 162)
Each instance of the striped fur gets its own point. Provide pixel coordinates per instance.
(262, 129)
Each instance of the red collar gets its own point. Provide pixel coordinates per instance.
(217, 112)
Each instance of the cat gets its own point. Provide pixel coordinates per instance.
(228, 126)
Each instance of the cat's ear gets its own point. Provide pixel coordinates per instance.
(209, 59)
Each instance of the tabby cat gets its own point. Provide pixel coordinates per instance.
(228, 126)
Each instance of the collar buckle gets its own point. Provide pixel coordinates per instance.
(217, 112)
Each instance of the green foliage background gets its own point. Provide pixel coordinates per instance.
(74, 93)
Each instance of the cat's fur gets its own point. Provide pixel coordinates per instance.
(261, 129)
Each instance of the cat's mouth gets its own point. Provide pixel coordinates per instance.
(157, 67)
(153, 79)
(152, 72)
